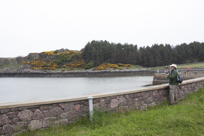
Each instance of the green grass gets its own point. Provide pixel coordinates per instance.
(10, 66)
(192, 65)
(188, 65)
(183, 119)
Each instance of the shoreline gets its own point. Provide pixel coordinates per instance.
(104, 73)
(93, 73)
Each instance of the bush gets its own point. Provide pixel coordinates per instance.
(89, 65)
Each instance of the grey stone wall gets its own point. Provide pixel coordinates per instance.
(187, 88)
(19, 117)
(13, 120)
(140, 100)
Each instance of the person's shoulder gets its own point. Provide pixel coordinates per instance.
(175, 71)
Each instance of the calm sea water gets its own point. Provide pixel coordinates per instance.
(34, 89)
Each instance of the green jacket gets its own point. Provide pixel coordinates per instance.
(173, 77)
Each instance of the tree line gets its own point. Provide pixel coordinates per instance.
(98, 52)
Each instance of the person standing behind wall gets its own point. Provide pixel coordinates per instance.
(173, 83)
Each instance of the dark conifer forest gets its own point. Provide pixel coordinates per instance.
(98, 52)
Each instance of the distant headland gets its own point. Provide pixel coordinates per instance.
(105, 56)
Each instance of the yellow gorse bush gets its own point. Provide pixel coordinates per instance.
(41, 65)
(44, 63)
(49, 52)
(112, 66)
(69, 52)
(76, 64)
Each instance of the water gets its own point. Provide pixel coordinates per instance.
(43, 89)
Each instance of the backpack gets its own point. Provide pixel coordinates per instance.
(179, 79)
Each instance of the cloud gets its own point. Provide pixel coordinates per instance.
(35, 26)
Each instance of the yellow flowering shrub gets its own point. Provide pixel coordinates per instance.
(107, 66)
(76, 64)
(35, 63)
(112, 66)
(53, 66)
(124, 65)
(41, 65)
(52, 63)
(67, 52)
(70, 52)
(49, 52)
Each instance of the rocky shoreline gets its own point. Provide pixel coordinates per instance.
(77, 73)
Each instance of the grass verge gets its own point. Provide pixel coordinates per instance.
(184, 66)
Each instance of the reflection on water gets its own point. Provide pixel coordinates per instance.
(32, 89)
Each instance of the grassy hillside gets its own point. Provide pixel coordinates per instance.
(184, 119)
(63, 59)
(192, 65)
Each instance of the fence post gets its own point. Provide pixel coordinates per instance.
(90, 99)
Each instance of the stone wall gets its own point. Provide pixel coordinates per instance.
(19, 118)
(15, 118)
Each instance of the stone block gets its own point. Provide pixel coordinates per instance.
(121, 99)
(8, 129)
(3, 111)
(55, 111)
(65, 115)
(37, 115)
(4, 120)
(97, 106)
(67, 106)
(20, 125)
(25, 115)
(149, 100)
(47, 122)
(35, 124)
(84, 109)
(15, 120)
(103, 101)
(1, 131)
(114, 103)
(77, 107)
(46, 113)
(12, 115)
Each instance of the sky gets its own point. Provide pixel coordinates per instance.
(42, 25)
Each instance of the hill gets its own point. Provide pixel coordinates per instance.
(61, 60)
(103, 55)
(49, 60)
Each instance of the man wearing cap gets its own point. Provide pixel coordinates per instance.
(173, 83)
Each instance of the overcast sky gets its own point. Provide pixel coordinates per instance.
(39, 25)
